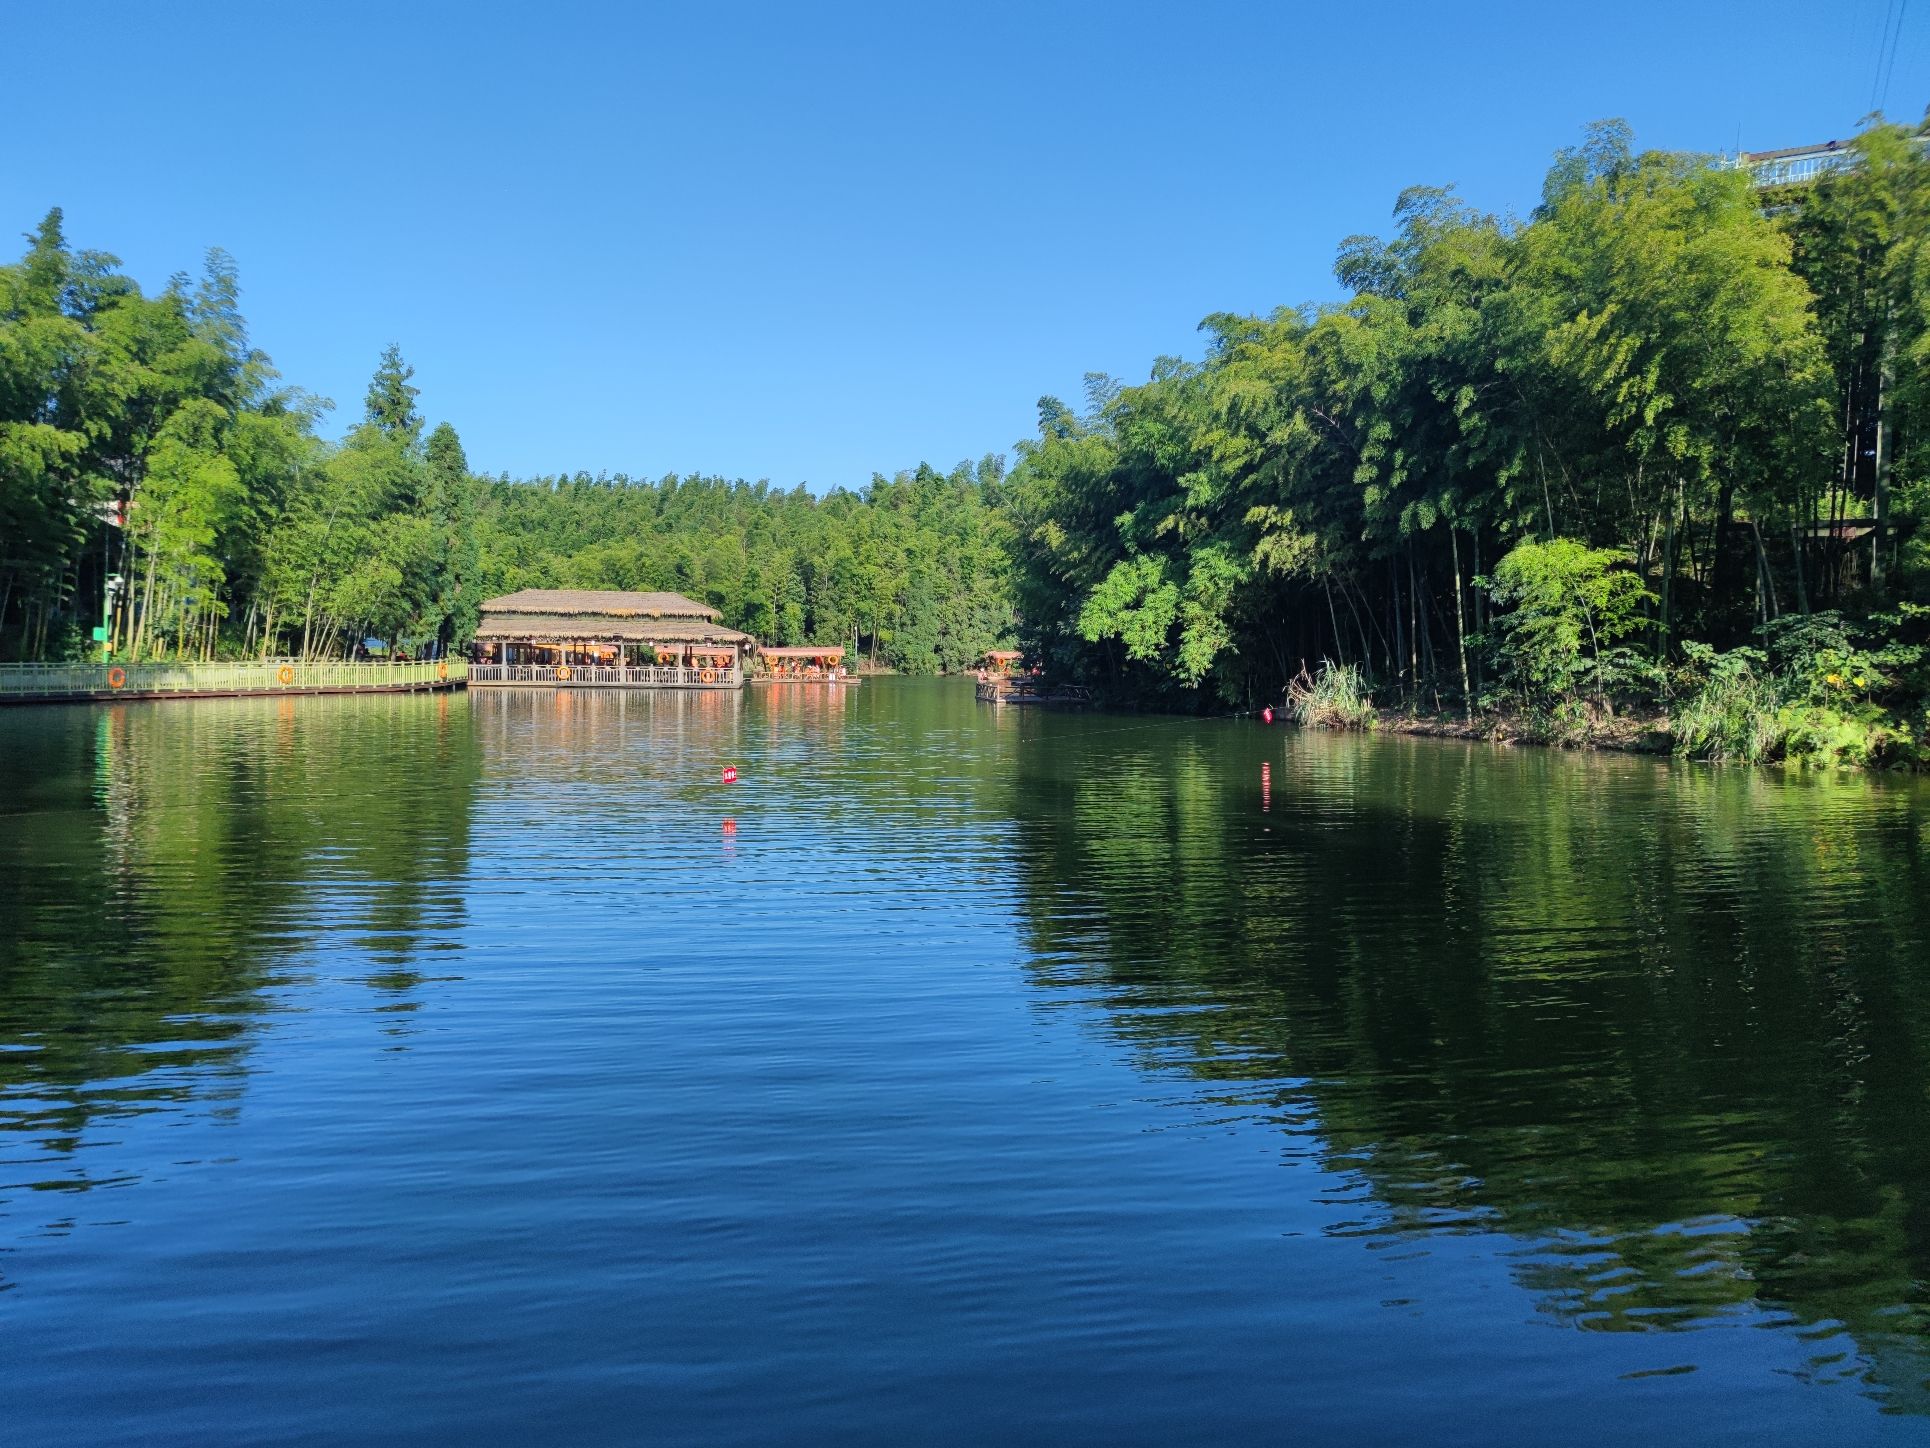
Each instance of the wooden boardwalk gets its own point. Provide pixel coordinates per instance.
(114, 683)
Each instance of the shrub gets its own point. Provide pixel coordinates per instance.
(1336, 698)
(1733, 710)
(1816, 709)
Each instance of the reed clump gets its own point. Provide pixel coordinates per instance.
(1337, 697)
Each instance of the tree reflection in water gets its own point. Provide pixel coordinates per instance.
(1668, 1028)
(168, 870)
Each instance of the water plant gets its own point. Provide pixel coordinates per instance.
(1337, 697)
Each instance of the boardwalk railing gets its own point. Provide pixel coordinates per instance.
(657, 676)
(267, 676)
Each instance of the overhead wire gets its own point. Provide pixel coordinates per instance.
(1887, 43)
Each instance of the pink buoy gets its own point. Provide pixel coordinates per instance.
(1266, 715)
(730, 774)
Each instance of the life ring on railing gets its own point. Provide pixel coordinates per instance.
(442, 671)
(563, 672)
(664, 656)
(116, 677)
(708, 676)
(285, 674)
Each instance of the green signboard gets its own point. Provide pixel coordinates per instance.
(100, 634)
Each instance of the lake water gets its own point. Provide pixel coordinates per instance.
(483, 1070)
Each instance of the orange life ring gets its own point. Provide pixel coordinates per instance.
(708, 676)
(442, 671)
(285, 674)
(116, 677)
(563, 672)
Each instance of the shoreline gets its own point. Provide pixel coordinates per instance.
(1622, 734)
(1645, 734)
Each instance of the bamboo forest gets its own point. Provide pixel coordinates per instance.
(1650, 459)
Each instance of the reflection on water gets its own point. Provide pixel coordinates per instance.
(162, 867)
(409, 1069)
(1665, 1028)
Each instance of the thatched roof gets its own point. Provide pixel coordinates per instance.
(597, 628)
(599, 603)
(806, 651)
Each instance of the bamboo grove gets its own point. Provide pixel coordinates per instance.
(158, 481)
(1660, 444)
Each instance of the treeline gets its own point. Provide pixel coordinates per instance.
(159, 483)
(910, 573)
(1661, 443)
(1663, 446)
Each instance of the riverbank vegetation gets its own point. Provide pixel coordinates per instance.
(1658, 448)
(1654, 459)
(158, 479)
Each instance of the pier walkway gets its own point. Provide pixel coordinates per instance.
(57, 683)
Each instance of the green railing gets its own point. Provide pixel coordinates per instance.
(266, 676)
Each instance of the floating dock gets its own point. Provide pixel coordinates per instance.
(1022, 689)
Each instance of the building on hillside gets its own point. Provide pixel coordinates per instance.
(1794, 165)
(1784, 172)
(583, 638)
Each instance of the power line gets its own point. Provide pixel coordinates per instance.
(1886, 51)
(1896, 44)
(1882, 39)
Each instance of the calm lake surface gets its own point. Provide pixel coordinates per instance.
(482, 1070)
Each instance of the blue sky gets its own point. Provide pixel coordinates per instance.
(809, 242)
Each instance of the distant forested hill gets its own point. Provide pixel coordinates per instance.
(912, 571)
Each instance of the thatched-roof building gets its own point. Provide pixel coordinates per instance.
(595, 637)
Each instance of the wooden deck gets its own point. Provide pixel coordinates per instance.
(117, 683)
(571, 676)
(1025, 689)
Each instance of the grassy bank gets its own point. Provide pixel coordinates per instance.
(1800, 740)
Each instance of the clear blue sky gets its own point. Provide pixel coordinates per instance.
(804, 242)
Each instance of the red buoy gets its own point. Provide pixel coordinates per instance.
(730, 774)
(1266, 715)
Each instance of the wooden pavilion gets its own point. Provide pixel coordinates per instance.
(806, 664)
(1000, 661)
(585, 638)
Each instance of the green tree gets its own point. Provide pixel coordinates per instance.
(1569, 608)
(390, 404)
(450, 503)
